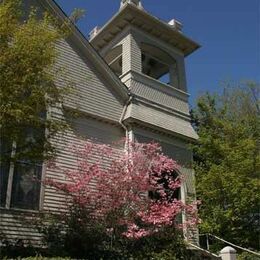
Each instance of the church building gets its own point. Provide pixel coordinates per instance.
(130, 81)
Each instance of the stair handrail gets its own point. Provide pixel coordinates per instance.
(203, 250)
(231, 244)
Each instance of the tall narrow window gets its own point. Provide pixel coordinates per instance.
(4, 174)
(26, 186)
(20, 179)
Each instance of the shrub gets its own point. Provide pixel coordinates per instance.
(131, 212)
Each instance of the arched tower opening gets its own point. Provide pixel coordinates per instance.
(158, 64)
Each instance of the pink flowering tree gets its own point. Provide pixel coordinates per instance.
(132, 193)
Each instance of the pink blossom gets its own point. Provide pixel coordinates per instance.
(105, 185)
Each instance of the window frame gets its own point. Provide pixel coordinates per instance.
(10, 183)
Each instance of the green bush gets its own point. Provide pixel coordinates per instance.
(78, 236)
(87, 239)
(247, 256)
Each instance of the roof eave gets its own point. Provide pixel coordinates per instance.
(128, 15)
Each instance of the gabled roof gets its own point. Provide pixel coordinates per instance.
(87, 49)
(130, 14)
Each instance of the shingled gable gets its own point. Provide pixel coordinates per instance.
(86, 48)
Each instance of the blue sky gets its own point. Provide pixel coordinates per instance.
(228, 30)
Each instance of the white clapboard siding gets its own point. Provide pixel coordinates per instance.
(131, 54)
(158, 118)
(181, 155)
(15, 226)
(159, 93)
(81, 130)
(94, 95)
(91, 94)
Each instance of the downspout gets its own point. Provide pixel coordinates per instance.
(123, 114)
(122, 118)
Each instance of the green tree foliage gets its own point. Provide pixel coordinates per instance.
(227, 163)
(27, 74)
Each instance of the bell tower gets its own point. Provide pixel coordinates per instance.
(148, 55)
(138, 45)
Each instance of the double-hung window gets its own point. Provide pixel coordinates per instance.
(20, 180)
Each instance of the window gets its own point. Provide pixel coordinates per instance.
(171, 195)
(164, 181)
(19, 179)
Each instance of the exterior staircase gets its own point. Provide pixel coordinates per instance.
(229, 252)
(200, 253)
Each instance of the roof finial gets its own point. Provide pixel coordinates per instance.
(133, 2)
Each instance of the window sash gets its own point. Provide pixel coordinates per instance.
(12, 200)
(26, 186)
